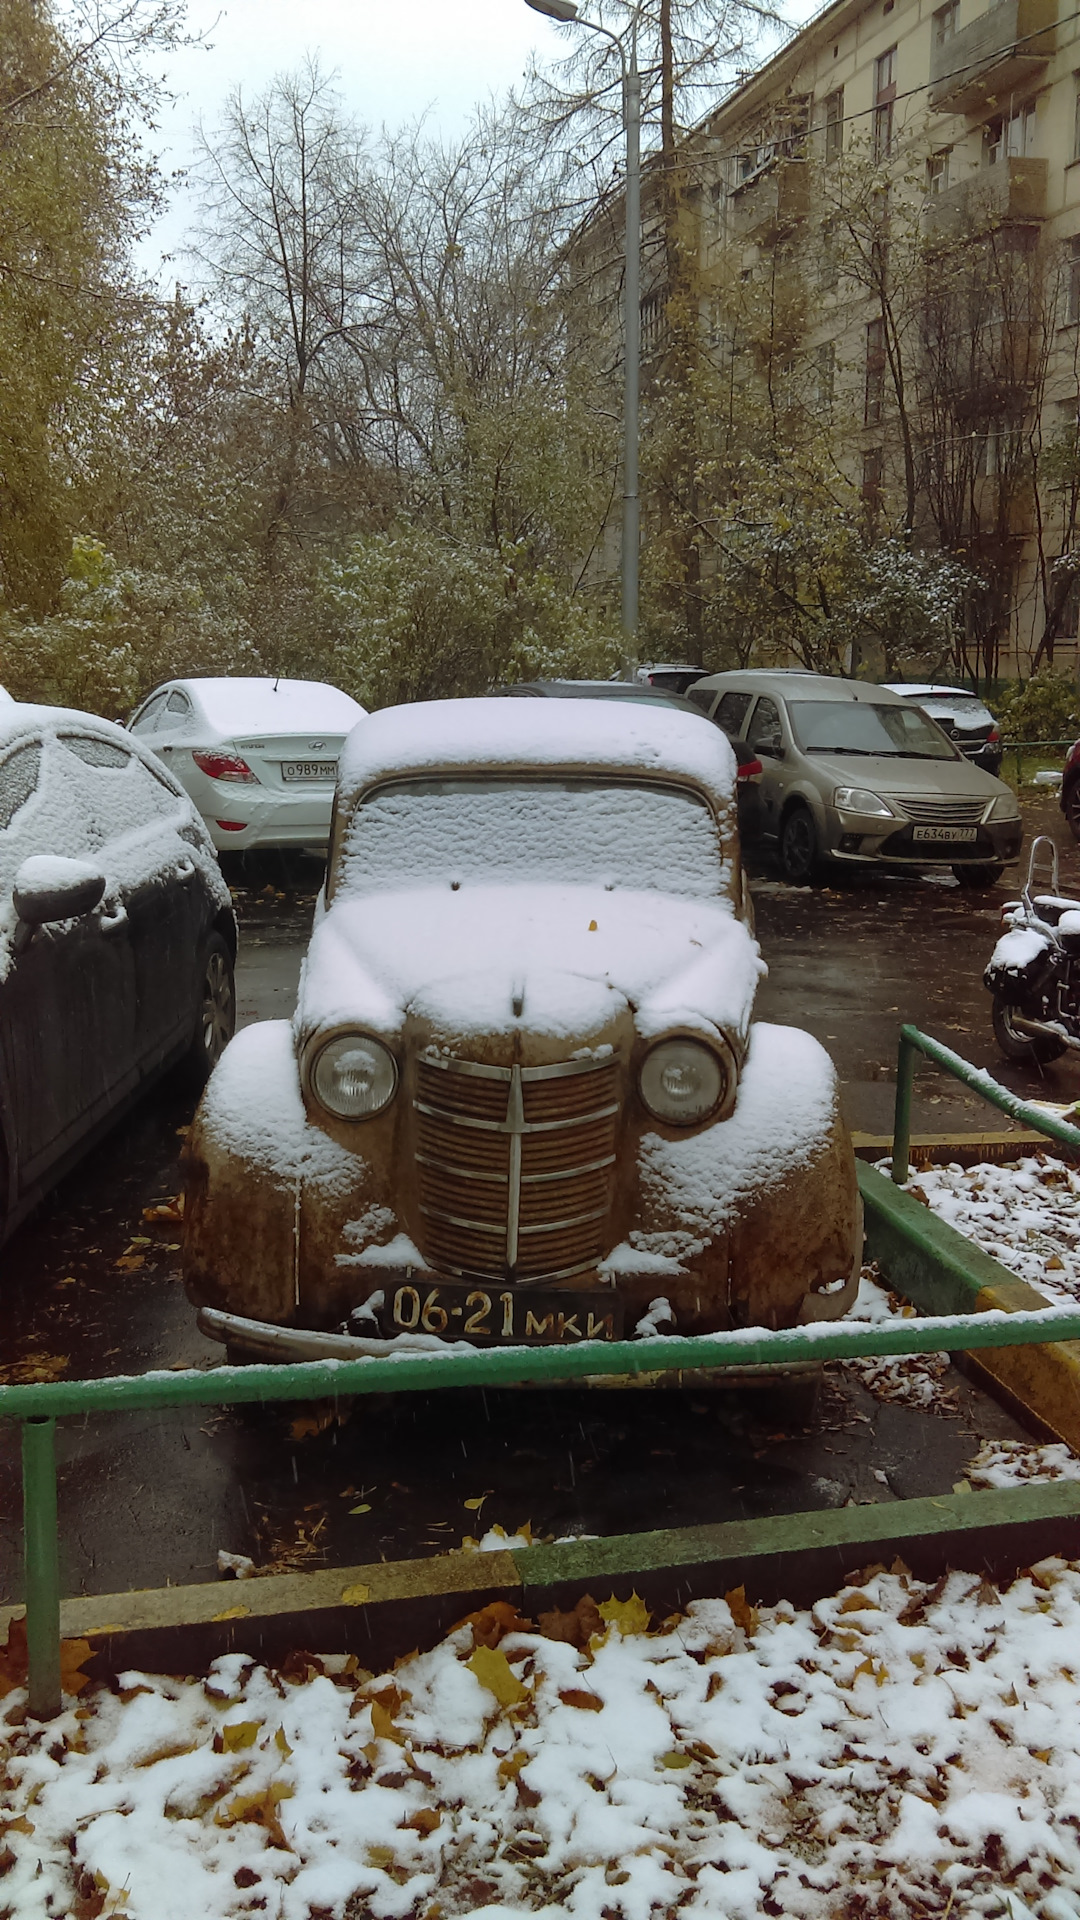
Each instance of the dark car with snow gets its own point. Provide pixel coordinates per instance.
(523, 1098)
(117, 940)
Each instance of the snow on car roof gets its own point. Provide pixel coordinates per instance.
(625, 737)
(796, 683)
(19, 716)
(911, 690)
(273, 706)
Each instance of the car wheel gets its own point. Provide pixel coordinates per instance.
(799, 857)
(216, 1023)
(986, 874)
(1027, 1049)
(1070, 807)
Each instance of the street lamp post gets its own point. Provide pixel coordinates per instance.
(566, 11)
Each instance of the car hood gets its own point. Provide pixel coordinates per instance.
(562, 961)
(946, 779)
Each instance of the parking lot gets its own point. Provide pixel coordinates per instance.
(92, 1287)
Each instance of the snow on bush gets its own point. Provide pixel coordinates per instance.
(898, 1749)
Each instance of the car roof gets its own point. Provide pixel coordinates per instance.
(603, 690)
(795, 683)
(266, 704)
(496, 735)
(18, 717)
(911, 690)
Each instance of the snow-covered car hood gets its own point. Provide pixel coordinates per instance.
(560, 960)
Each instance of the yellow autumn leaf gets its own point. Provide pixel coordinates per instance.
(592, 926)
(239, 1733)
(675, 1759)
(281, 1743)
(493, 1670)
(630, 1616)
(382, 1724)
(233, 1613)
(364, 1507)
(474, 1506)
(356, 1595)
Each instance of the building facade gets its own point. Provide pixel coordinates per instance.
(913, 173)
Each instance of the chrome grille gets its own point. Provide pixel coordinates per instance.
(515, 1166)
(937, 809)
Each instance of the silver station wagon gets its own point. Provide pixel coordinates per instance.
(853, 772)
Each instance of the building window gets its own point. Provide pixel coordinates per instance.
(1069, 617)
(834, 125)
(945, 22)
(825, 374)
(884, 98)
(1011, 137)
(873, 469)
(875, 373)
(1072, 280)
(937, 171)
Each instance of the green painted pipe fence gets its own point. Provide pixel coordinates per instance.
(38, 1407)
(912, 1042)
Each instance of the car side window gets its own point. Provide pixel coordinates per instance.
(178, 711)
(18, 779)
(702, 697)
(731, 713)
(765, 733)
(147, 720)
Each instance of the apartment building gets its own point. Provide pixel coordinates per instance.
(959, 419)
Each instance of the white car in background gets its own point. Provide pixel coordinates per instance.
(259, 757)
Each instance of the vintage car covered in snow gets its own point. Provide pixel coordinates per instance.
(522, 1097)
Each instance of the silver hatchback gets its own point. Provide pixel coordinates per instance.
(853, 772)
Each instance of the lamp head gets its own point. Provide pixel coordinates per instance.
(561, 10)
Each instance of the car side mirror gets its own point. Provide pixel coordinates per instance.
(48, 887)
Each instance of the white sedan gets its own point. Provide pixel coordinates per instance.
(258, 757)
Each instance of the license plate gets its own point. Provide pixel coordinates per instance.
(501, 1315)
(945, 833)
(322, 770)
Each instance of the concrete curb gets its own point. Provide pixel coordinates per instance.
(940, 1271)
(938, 1149)
(382, 1611)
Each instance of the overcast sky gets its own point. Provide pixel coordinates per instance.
(396, 59)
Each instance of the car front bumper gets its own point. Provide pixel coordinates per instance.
(889, 844)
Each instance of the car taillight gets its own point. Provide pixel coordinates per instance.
(993, 737)
(749, 770)
(223, 766)
(232, 826)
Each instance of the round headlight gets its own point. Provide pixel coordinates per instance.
(682, 1082)
(354, 1076)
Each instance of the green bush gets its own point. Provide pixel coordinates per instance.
(1046, 707)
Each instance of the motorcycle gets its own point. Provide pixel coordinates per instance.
(1034, 971)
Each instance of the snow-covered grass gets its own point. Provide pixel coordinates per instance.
(897, 1750)
(1026, 1214)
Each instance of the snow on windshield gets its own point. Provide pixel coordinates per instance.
(855, 726)
(619, 834)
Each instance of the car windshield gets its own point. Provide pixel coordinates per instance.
(855, 726)
(485, 831)
(963, 705)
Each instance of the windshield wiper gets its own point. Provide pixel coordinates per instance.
(867, 752)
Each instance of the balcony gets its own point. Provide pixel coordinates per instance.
(998, 54)
(770, 202)
(1011, 194)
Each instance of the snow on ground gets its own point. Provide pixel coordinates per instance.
(1026, 1214)
(898, 1750)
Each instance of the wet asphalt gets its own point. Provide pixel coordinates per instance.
(90, 1287)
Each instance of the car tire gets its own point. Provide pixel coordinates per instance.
(986, 874)
(216, 1021)
(1026, 1049)
(800, 856)
(1070, 807)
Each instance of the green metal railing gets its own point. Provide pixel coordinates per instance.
(1020, 747)
(38, 1407)
(913, 1042)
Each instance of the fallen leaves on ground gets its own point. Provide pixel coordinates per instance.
(34, 1369)
(170, 1211)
